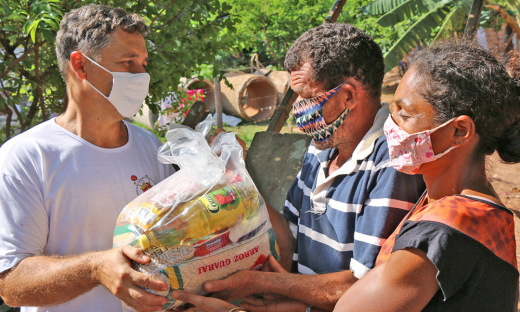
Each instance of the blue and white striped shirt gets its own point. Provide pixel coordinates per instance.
(341, 221)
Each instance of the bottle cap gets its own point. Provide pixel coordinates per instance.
(143, 241)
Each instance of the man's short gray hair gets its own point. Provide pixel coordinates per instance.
(88, 28)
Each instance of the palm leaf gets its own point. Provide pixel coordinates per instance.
(379, 7)
(402, 12)
(419, 30)
(453, 21)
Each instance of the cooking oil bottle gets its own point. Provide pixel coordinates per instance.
(220, 208)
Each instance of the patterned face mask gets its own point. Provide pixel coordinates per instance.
(409, 151)
(309, 117)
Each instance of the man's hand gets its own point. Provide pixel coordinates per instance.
(113, 269)
(236, 286)
(273, 266)
(202, 304)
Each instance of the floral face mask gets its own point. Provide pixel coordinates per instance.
(308, 114)
(409, 151)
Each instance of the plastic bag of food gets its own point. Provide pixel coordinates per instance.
(204, 222)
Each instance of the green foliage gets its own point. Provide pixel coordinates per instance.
(421, 29)
(404, 11)
(426, 21)
(355, 12)
(381, 7)
(270, 27)
(29, 84)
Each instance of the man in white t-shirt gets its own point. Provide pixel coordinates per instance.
(64, 182)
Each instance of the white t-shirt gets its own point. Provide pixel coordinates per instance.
(61, 195)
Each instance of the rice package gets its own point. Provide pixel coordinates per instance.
(204, 222)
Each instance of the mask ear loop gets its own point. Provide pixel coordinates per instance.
(444, 124)
(437, 156)
(95, 63)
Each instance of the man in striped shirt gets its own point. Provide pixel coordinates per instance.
(347, 199)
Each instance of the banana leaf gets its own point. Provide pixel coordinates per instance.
(419, 30)
(379, 7)
(453, 22)
(403, 12)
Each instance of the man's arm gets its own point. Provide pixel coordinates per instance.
(320, 291)
(43, 280)
(284, 236)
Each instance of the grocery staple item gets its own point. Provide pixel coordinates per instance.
(204, 222)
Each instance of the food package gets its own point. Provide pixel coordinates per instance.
(204, 222)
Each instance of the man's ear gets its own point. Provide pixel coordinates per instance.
(350, 89)
(464, 130)
(77, 63)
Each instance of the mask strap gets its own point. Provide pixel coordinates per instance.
(106, 97)
(449, 149)
(445, 152)
(99, 65)
(438, 127)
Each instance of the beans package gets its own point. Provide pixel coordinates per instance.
(204, 222)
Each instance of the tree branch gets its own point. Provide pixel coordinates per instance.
(9, 112)
(21, 58)
(508, 18)
(266, 39)
(159, 14)
(38, 82)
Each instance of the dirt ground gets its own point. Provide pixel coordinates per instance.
(505, 178)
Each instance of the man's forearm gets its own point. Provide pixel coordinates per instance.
(321, 291)
(284, 237)
(42, 280)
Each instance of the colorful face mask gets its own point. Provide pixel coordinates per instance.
(409, 151)
(309, 116)
(128, 90)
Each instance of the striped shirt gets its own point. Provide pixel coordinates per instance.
(340, 221)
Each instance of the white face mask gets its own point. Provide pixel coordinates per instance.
(128, 90)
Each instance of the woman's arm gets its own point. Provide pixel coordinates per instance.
(406, 282)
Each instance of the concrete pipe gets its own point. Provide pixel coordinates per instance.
(253, 97)
(281, 80)
(209, 91)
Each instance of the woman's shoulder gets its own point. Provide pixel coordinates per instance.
(484, 221)
(458, 210)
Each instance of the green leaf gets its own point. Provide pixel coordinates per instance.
(15, 17)
(32, 30)
(419, 30)
(379, 7)
(48, 35)
(403, 12)
(10, 28)
(453, 21)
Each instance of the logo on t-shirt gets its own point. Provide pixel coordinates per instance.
(143, 184)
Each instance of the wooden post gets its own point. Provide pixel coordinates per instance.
(334, 11)
(473, 19)
(282, 111)
(218, 102)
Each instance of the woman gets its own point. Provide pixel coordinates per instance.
(456, 250)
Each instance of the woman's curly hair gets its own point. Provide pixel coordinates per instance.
(463, 79)
(336, 51)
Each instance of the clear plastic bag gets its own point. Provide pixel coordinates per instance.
(204, 222)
